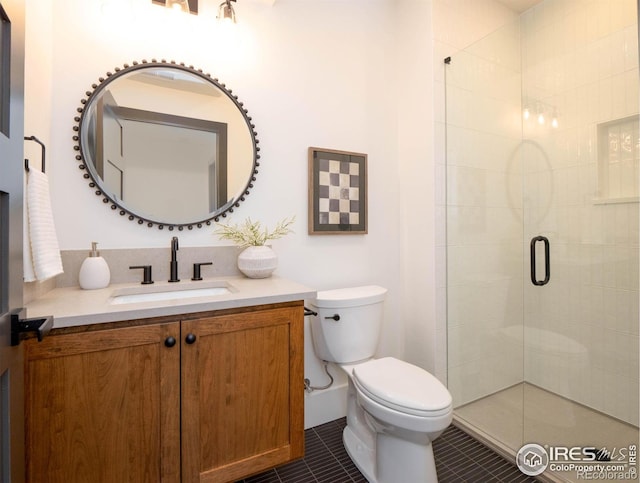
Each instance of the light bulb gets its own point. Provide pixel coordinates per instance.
(226, 14)
(526, 114)
(178, 5)
(540, 118)
(554, 122)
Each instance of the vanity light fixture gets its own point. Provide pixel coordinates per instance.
(554, 120)
(540, 112)
(186, 6)
(226, 13)
(180, 5)
(541, 118)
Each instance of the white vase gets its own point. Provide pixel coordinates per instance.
(257, 261)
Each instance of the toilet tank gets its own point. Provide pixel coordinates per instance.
(354, 335)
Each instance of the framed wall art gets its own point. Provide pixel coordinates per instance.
(337, 192)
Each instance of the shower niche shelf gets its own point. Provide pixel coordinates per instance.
(618, 161)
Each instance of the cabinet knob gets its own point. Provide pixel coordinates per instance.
(190, 338)
(170, 341)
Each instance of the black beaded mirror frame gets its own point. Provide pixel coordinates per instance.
(93, 183)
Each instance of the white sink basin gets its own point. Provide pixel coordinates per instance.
(149, 293)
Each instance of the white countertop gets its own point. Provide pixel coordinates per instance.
(72, 306)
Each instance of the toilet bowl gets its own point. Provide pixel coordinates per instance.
(394, 409)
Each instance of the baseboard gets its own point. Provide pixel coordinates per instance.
(323, 406)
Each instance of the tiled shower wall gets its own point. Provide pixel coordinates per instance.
(484, 213)
(580, 63)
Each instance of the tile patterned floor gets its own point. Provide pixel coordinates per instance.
(459, 458)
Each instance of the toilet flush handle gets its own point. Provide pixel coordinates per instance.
(335, 317)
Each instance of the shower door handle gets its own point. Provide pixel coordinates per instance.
(547, 271)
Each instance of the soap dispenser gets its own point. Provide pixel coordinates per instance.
(94, 272)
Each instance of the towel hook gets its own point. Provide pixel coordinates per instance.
(26, 161)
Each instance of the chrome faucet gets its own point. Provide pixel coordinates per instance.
(174, 260)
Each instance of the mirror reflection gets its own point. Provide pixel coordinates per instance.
(167, 144)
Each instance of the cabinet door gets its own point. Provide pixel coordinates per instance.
(104, 406)
(242, 393)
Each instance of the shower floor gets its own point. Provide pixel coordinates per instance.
(549, 419)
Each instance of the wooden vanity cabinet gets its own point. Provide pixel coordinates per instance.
(208, 398)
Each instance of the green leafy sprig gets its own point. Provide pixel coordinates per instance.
(251, 233)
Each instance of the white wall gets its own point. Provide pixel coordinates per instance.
(311, 73)
(414, 83)
(38, 89)
(357, 75)
(368, 79)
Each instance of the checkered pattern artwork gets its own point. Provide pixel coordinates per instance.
(338, 192)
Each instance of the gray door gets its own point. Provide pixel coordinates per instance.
(11, 179)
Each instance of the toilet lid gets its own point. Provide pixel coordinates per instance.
(402, 386)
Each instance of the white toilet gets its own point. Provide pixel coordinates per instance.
(394, 409)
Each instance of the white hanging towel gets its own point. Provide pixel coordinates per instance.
(41, 252)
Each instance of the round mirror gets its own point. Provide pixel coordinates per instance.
(166, 144)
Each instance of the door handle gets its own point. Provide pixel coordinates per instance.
(40, 325)
(547, 263)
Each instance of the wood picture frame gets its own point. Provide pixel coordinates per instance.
(337, 192)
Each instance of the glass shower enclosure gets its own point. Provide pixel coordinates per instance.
(542, 198)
